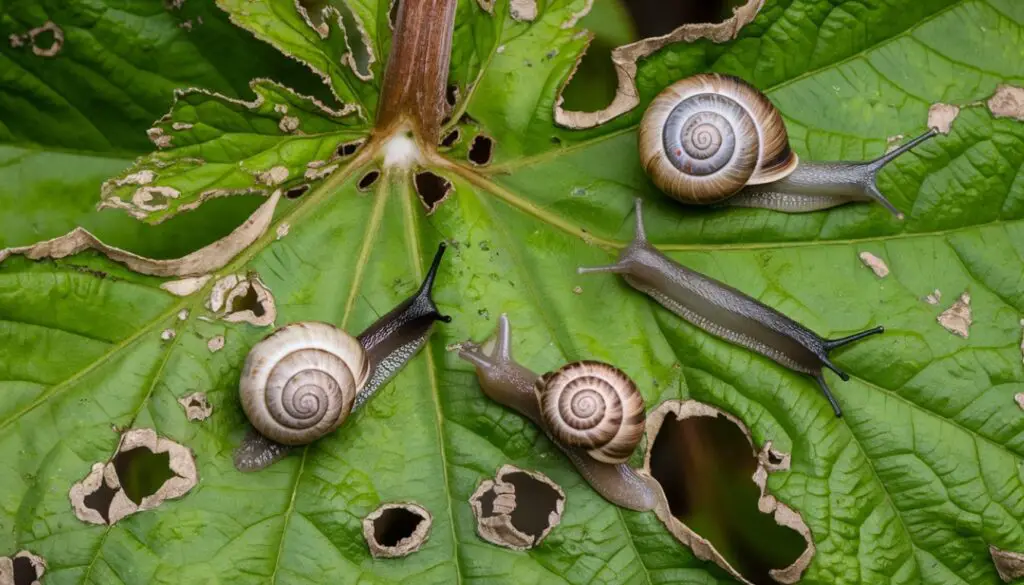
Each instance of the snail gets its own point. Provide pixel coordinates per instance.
(716, 139)
(726, 312)
(301, 382)
(591, 410)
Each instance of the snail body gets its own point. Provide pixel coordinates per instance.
(302, 381)
(725, 312)
(614, 435)
(715, 139)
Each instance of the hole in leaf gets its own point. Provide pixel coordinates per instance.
(393, 14)
(44, 39)
(774, 458)
(705, 464)
(536, 500)
(249, 301)
(480, 150)
(368, 180)
(141, 472)
(24, 572)
(556, 141)
(349, 148)
(395, 525)
(296, 192)
(450, 139)
(396, 530)
(101, 499)
(451, 95)
(518, 509)
(432, 188)
(361, 53)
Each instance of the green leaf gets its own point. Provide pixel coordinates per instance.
(912, 485)
(85, 111)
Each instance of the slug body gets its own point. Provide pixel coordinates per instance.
(725, 312)
(514, 386)
(716, 140)
(302, 381)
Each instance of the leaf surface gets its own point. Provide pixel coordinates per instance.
(912, 486)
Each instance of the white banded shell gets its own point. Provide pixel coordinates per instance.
(705, 137)
(300, 382)
(595, 406)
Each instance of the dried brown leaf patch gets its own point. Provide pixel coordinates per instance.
(200, 262)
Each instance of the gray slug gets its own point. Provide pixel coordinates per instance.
(302, 381)
(591, 410)
(726, 312)
(716, 139)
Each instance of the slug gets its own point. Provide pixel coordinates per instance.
(725, 312)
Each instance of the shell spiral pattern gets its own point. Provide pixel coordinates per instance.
(595, 406)
(705, 137)
(300, 382)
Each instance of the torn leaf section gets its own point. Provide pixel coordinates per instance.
(133, 480)
(625, 59)
(396, 530)
(200, 262)
(240, 298)
(197, 407)
(215, 146)
(1009, 564)
(704, 459)
(315, 39)
(23, 568)
(359, 55)
(518, 508)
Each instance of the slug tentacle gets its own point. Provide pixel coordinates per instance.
(510, 384)
(726, 312)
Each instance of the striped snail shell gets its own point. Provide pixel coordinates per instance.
(595, 406)
(706, 137)
(300, 382)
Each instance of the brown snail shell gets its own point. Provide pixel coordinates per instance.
(595, 406)
(300, 382)
(706, 137)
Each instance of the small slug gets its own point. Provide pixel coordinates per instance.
(727, 313)
(302, 381)
(591, 410)
(716, 139)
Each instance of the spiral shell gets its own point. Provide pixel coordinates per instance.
(595, 406)
(705, 137)
(300, 382)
